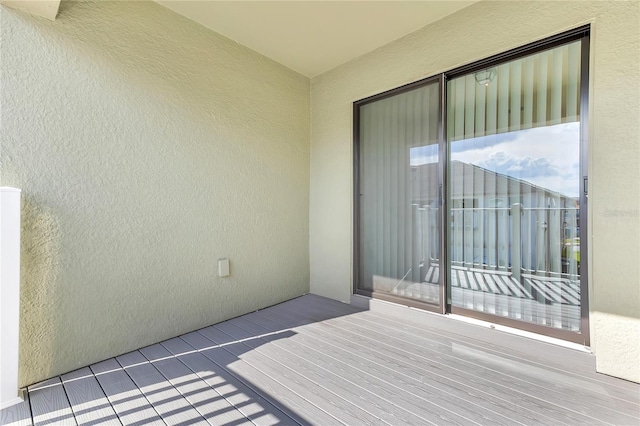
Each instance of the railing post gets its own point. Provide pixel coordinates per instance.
(516, 258)
(9, 294)
(426, 233)
(415, 243)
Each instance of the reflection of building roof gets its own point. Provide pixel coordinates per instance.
(476, 182)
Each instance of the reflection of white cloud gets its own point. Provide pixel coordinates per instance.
(483, 142)
(523, 167)
(545, 156)
(423, 155)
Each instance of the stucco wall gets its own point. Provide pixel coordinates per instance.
(147, 147)
(477, 32)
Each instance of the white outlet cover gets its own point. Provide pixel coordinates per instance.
(223, 267)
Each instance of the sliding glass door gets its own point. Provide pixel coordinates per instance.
(471, 187)
(399, 209)
(515, 180)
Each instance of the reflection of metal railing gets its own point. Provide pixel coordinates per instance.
(531, 240)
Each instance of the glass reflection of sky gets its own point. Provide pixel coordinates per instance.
(545, 156)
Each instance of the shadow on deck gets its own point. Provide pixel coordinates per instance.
(312, 360)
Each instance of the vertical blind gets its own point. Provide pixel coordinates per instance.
(537, 90)
(391, 245)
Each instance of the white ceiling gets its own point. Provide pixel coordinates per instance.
(45, 8)
(312, 37)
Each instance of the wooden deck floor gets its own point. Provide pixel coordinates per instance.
(315, 361)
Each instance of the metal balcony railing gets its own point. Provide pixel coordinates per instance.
(541, 241)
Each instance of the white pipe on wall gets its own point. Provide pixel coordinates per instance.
(9, 295)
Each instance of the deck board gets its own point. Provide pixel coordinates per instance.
(299, 409)
(88, 402)
(436, 366)
(17, 415)
(521, 383)
(312, 360)
(284, 371)
(572, 364)
(377, 405)
(409, 376)
(126, 399)
(49, 403)
(210, 404)
(435, 404)
(211, 365)
(275, 382)
(172, 407)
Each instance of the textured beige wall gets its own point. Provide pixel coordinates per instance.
(476, 32)
(147, 147)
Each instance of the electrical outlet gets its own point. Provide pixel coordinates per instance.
(223, 267)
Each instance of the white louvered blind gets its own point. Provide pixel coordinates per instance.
(537, 90)
(392, 211)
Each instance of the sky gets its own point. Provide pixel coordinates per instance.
(545, 156)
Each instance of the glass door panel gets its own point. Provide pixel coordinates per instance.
(514, 179)
(399, 201)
